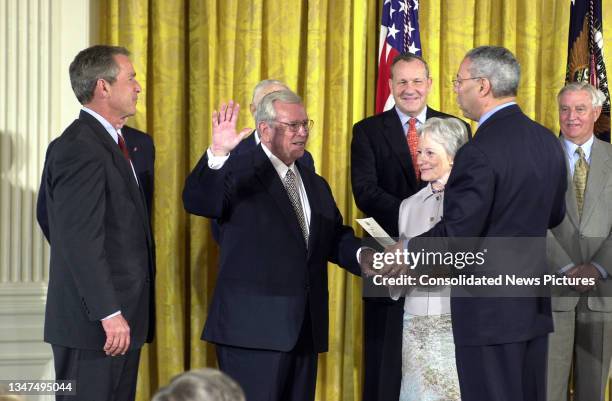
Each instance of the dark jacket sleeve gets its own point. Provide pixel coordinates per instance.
(78, 187)
(205, 189)
(344, 251)
(469, 196)
(370, 197)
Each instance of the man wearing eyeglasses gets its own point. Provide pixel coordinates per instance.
(269, 314)
(249, 143)
(509, 181)
(383, 173)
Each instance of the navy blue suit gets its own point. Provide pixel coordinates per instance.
(142, 152)
(509, 181)
(271, 292)
(102, 258)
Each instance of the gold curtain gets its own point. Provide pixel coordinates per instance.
(190, 55)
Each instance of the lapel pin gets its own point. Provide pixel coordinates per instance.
(135, 149)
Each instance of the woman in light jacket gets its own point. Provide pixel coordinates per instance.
(428, 352)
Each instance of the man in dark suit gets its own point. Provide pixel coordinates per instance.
(383, 173)
(142, 153)
(269, 313)
(100, 299)
(249, 143)
(509, 181)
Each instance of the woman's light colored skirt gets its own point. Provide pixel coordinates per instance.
(429, 372)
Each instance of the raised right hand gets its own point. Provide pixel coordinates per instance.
(224, 136)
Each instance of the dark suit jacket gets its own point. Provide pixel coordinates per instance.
(246, 145)
(102, 252)
(382, 175)
(509, 181)
(267, 279)
(142, 152)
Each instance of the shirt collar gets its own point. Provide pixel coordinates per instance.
(428, 192)
(421, 117)
(280, 167)
(494, 110)
(107, 126)
(257, 139)
(570, 148)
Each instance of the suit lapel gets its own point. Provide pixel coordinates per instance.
(271, 181)
(599, 171)
(121, 164)
(396, 137)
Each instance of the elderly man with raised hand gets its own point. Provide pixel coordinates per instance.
(252, 141)
(269, 312)
(259, 91)
(509, 181)
(581, 247)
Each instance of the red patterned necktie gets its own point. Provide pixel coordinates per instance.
(123, 147)
(413, 143)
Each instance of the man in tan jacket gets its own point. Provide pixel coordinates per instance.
(581, 246)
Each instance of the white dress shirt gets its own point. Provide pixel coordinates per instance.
(114, 133)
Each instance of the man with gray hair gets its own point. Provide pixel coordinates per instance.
(581, 247)
(509, 181)
(269, 313)
(200, 385)
(100, 301)
(252, 141)
(262, 89)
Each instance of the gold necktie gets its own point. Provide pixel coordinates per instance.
(581, 174)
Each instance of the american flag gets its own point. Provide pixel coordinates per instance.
(585, 56)
(399, 33)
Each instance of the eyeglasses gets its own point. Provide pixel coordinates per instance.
(294, 127)
(458, 81)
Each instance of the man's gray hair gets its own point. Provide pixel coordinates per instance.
(499, 66)
(264, 84)
(451, 133)
(201, 385)
(597, 97)
(95, 62)
(266, 111)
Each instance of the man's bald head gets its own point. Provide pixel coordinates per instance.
(262, 89)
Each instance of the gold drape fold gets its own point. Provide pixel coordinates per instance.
(190, 55)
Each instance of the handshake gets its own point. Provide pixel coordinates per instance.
(389, 263)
